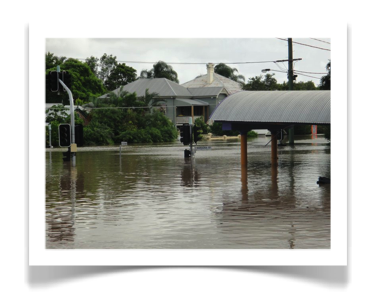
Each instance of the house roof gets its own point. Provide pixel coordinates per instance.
(218, 81)
(189, 102)
(206, 91)
(162, 86)
(307, 107)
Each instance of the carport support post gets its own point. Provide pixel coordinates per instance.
(243, 142)
(273, 148)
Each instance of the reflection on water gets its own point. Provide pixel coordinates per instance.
(153, 197)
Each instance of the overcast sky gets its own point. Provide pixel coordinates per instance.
(204, 50)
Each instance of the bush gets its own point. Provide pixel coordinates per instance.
(252, 134)
(98, 134)
(54, 134)
(216, 129)
(203, 126)
(130, 126)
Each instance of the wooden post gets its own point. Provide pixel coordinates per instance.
(273, 148)
(244, 148)
(244, 183)
(274, 186)
(204, 114)
(193, 120)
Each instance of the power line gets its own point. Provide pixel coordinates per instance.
(309, 72)
(308, 75)
(306, 45)
(185, 63)
(320, 41)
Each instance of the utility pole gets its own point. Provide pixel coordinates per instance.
(290, 83)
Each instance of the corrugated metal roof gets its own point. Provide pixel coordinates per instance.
(218, 81)
(189, 102)
(205, 91)
(309, 107)
(162, 86)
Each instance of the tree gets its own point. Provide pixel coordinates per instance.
(151, 99)
(121, 98)
(52, 61)
(56, 113)
(160, 70)
(120, 75)
(309, 85)
(93, 64)
(107, 64)
(258, 83)
(84, 82)
(226, 71)
(325, 82)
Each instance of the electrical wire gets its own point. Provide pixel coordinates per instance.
(305, 45)
(308, 75)
(310, 72)
(185, 63)
(320, 41)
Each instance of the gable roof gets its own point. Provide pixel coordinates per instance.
(218, 81)
(162, 86)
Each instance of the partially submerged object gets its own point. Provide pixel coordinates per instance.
(324, 180)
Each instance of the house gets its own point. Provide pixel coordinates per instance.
(196, 98)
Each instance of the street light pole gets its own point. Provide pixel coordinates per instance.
(73, 147)
(49, 129)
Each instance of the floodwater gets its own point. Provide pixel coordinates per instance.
(151, 197)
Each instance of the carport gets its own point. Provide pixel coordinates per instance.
(272, 110)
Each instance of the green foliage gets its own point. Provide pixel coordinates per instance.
(269, 82)
(160, 70)
(52, 61)
(309, 85)
(226, 71)
(106, 64)
(114, 125)
(56, 113)
(120, 75)
(153, 128)
(85, 84)
(325, 82)
(92, 62)
(199, 122)
(79, 102)
(97, 134)
(54, 133)
(258, 83)
(216, 129)
(252, 134)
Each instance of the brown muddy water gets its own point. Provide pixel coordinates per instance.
(150, 197)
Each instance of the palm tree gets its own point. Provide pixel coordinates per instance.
(325, 82)
(226, 71)
(151, 99)
(160, 70)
